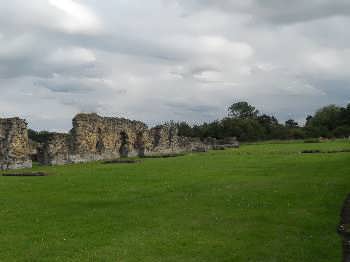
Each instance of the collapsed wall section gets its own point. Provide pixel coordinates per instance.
(56, 150)
(99, 138)
(14, 144)
(104, 138)
(227, 142)
(165, 139)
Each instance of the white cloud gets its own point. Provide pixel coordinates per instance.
(72, 56)
(75, 17)
(325, 60)
(66, 16)
(159, 60)
(15, 47)
(217, 45)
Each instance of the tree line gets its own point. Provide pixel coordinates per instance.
(246, 123)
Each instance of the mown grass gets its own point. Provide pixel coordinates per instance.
(263, 202)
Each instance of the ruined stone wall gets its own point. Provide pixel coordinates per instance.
(227, 142)
(195, 144)
(14, 144)
(165, 139)
(103, 138)
(96, 138)
(56, 150)
(33, 148)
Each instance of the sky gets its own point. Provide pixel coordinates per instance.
(160, 60)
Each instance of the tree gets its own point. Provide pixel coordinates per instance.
(184, 129)
(270, 125)
(39, 137)
(308, 120)
(242, 110)
(342, 131)
(291, 124)
(325, 121)
(345, 115)
(267, 120)
(245, 123)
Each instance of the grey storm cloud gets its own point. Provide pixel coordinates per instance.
(276, 11)
(178, 59)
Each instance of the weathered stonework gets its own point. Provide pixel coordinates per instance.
(33, 147)
(228, 142)
(96, 138)
(14, 144)
(165, 140)
(101, 138)
(56, 150)
(105, 138)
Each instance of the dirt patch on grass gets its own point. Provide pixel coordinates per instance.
(325, 152)
(163, 156)
(311, 152)
(344, 228)
(122, 161)
(30, 174)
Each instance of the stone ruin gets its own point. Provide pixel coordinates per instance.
(14, 144)
(219, 144)
(55, 150)
(96, 138)
(93, 138)
(164, 140)
(105, 138)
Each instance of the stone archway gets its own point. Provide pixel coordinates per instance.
(157, 137)
(100, 147)
(140, 144)
(124, 144)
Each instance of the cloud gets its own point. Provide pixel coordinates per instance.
(72, 55)
(162, 60)
(75, 17)
(275, 11)
(66, 16)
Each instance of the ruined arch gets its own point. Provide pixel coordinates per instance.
(157, 137)
(124, 144)
(140, 144)
(100, 147)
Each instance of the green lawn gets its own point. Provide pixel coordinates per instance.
(262, 202)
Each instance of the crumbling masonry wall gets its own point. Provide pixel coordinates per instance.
(104, 138)
(96, 138)
(56, 150)
(100, 138)
(14, 144)
(165, 140)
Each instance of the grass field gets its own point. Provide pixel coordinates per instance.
(262, 202)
